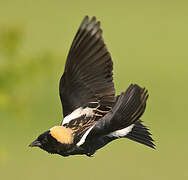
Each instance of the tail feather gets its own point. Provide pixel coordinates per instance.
(129, 107)
(141, 134)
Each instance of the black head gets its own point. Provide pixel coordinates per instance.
(46, 142)
(57, 140)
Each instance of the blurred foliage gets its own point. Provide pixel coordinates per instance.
(10, 40)
(17, 72)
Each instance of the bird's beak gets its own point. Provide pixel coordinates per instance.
(35, 143)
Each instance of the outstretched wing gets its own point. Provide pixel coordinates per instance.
(128, 108)
(120, 120)
(88, 71)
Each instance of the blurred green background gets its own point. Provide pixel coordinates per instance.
(148, 41)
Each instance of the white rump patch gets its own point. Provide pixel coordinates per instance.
(82, 140)
(121, 132)
(77, 113)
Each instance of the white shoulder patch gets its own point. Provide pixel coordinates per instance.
(121, 132)
(82, 140)
(88, 111)
(77, 113)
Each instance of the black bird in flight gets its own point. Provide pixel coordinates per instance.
(93, 115)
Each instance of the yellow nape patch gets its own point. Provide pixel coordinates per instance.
(62, 134)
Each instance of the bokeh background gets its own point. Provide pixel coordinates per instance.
(148, 41)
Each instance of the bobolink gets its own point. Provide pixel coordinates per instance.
(93, 115)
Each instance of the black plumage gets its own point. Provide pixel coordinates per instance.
(88, 71)
(93, 116)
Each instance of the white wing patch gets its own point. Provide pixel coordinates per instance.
(121, 132)
(118, 133)
(82, 140)
(77, 113)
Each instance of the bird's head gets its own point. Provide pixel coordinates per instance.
(57, 140)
